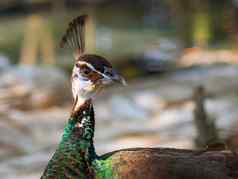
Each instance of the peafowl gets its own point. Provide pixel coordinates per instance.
(75, 157)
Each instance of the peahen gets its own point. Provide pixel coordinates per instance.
(75, 157)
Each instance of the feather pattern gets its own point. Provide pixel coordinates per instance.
(75, 35)
(76, 151)
(75, 157)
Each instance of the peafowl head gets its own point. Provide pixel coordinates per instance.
(90, 72)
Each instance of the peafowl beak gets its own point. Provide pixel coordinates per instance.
(113, 76)
(119, 79)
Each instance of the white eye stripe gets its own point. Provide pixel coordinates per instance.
(92, 68)
(88, 65)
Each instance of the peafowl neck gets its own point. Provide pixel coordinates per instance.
(79, 133)
(80, 128)
(74, 156)
(81, 123)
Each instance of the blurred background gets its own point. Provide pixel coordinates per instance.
(179, 58)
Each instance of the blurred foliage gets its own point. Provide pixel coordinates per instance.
(128, 34)
(11, 37)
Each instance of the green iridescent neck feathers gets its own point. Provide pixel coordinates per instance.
(75, 153)
(75, 157)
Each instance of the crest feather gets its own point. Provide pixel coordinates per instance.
(75, 35)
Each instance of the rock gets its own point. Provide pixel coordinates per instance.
(197, 56)
(160, 57)
(146, 119)
(125, 108)
(32, 87)
(148, 100)
(4, 63)
(25, 167)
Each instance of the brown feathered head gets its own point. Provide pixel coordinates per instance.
(90, 72)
